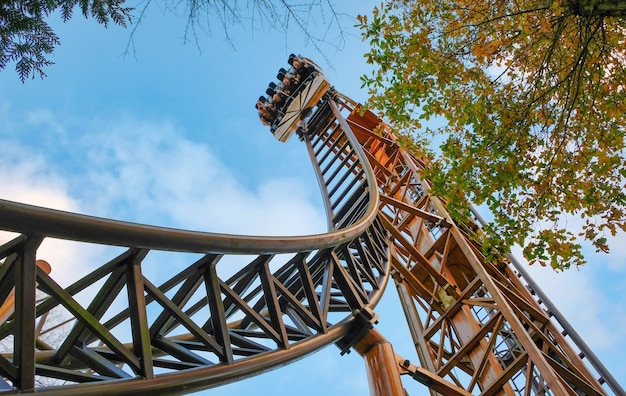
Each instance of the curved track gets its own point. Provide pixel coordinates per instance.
(241, 305)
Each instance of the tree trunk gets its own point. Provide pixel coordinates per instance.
(609, 8)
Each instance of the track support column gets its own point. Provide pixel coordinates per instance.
(381, 364)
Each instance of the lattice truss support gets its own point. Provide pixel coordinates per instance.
(473, 322)
(228, 308)
(198, 318)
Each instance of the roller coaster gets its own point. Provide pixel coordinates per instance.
(242, 305)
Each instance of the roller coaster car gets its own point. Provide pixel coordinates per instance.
(300, 104)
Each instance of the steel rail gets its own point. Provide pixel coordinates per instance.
(204, 377)
(24, 218)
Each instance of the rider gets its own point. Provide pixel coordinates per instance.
(302, 68)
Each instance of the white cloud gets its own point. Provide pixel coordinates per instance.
(28, 177)
(577, 296)
(149, 172)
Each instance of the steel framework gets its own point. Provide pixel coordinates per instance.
(477, 327)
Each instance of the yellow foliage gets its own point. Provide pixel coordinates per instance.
(533, 99)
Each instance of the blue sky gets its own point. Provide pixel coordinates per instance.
(169, 135)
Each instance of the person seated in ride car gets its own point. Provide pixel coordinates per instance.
(302, 68)
(270, 113)
(262, 107)
(267, 118)
(271, 88)
(287, 86)
(279, 98)
(294, 80)
(260, 103)
(276, 94)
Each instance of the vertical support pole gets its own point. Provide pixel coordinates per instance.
(416, 329)
(218, 314)
(139, 316)
(383, 373)
(24, 337)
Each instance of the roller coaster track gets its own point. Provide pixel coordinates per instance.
(242, 305)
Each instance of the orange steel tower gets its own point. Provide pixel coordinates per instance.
(241, 305)
(479, 327)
